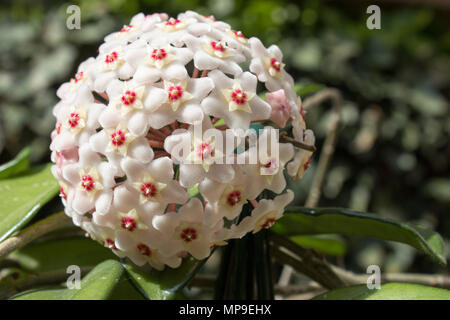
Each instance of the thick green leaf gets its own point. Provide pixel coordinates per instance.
(327, 244)
(23, 196)
(388, 291)
(302, 221)
(303, 89)
(59, 253)
(17, 165)
(166, 284)
(96, 285)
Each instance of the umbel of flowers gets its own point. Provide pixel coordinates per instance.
(121, 117)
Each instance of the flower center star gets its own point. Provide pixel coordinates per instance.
(126, 28)
(74, 119)
(234, 198)
(144, 249)
(172, 25)
(239, 36)
(128, 223)
(188, 234)
(274, 66)
(80, 77)
(218, 49)
(111, 244)
(269, 169)
(112, 57)
(159, 57)
(120, 138)
(268, 223)
(112, 61)
(128, 98)
(238, 99)
(177, 94)
(87, 182)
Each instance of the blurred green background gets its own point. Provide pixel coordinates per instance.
(393, 151)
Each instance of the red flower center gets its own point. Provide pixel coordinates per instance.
(126, 28)
(307, 163)
(128, 98)
(110, 58)
(149, 190)
(233, 198)
(62, 193)
(172, 22)
(269, 222)
(218, 46)
(118, 138)
(128, 223)
(74, 119)
(238, 34)
(158, 54)
(79, 76)
(275, 64)
(144, 250)
(238, 96)
(188, 234)
(87, 182)
(175, 93)
(205, 151)
(111, 244)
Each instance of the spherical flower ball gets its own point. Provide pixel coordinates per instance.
(121, 120)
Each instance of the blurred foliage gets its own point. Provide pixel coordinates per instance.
(393, 153)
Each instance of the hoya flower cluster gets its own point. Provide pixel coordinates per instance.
(123, 116)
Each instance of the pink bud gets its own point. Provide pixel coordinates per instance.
(281, 109)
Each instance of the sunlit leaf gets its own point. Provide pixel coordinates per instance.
(96, 285)
(388, 291)
(17, 165)
(23, 196)
(303, 221)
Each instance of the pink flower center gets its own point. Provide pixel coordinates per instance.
(238, 96)
(205, 150)
(159, 54)
(307, 163)
(175, 93)
(144, 250)
(126, 28)
(274, 63)
(79, 76)
(110, 58)
(188, 234)
(62, 193)
(233, 198)
(111, 244)
(74, 119)
(58, 128)
(211, 18)
(118, 138)
(302, 112)
(172, 22)
(128, 98)
(87, 182)
(128, 223)
(149, 190)
(269, 222)
(217, 46)
(238, 34)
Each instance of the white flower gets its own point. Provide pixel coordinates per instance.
(268, 65)
(146, 120)
(235, 100)
(213, 54)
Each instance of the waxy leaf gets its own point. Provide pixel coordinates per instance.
(23, 196)
(17, 165)
(302, 221)
(57, 254)
(98, 284)
(388, 291)
(166, 284)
